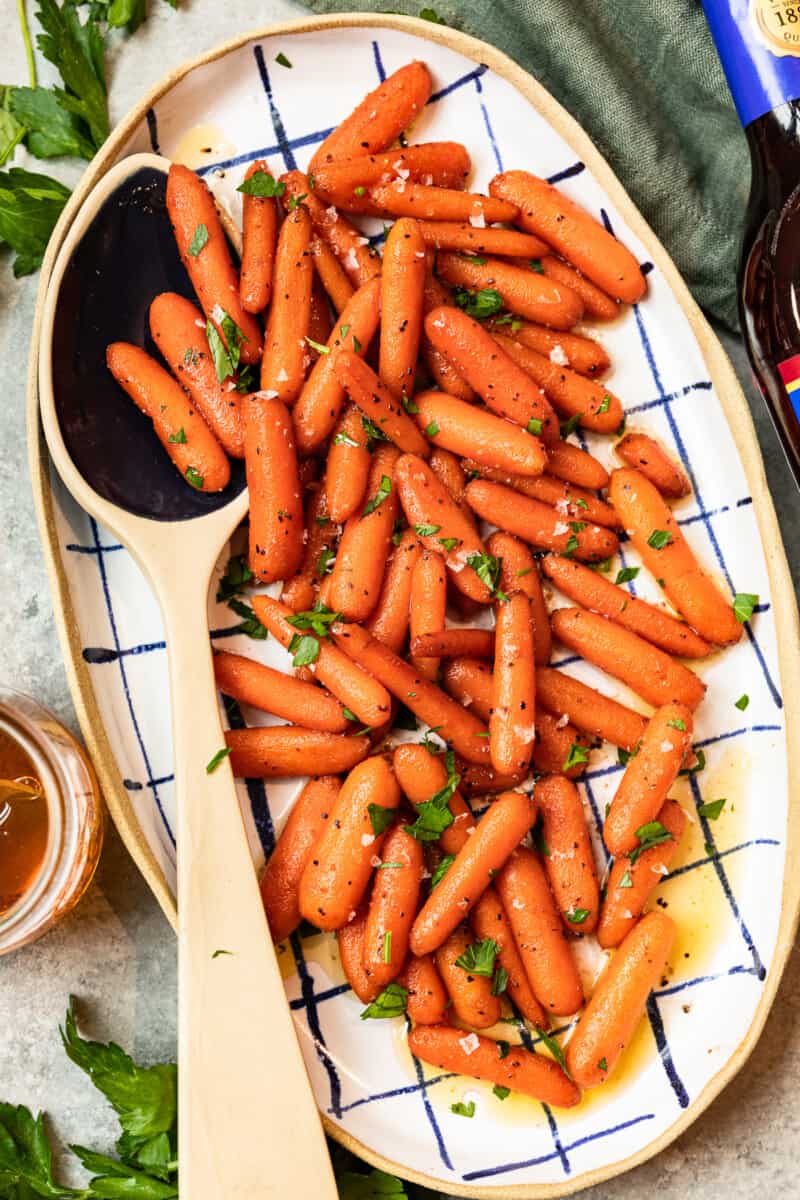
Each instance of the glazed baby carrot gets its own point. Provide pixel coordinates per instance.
(392, 906)
(469, 680)
(344, 183)
(303, 829)
(276, 751)
(380, 405)
(276, 506)
(205, 255)
(274, 692)
(474, 433)
(571, 501)
(411, 688)
(286, 351)
(568, 462)
(356, 689)
(659, 541)
(481, 779)
(569, 863)
(338, 872)
(648, 671)
(457, 642)
(489, 921)
(512, 726)
(320, 321)
(539, 933)
(573, 233)
(347, 472)
(630, 884)
(427, 505)
(460, 235)
(522, 290)
(443, 372)
(571, 394)
(358, 259)
(596, 303)
(299, 591)
(617, 1005)
(408, 199)
(427, 998)
(582, 353)
(521, 1070)
(259, 232)
(350, 942)
(421, 775)
(178, 425)
(520, 572)
(449, 471)
(643, 452)
(179, 333)
(356, 579)
(647, 778)
(588, 709)
(470, 993)
(428, 605)
(555, 746)
(600, 595)
(380, 117)
(390, 617)
(539, 524)
(331, 274)
(505, 388)
(402, 289)
(501, 828)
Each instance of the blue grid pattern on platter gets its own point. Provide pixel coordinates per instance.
(312, 1002)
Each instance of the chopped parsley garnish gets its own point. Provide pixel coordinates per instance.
(178, 438)
(712, 809)
(499, 981)
(659, 538)
(348, 713)
(426, 530)
(604, 405)
(537, 834)
(318, 346)
(387, 946)
(677, 723)
(449, 543)
(649, 835)
(479, 305)
(500, 1091)
(384, 489)
(214, 762)
(503, 1049)
(487, 567)
(318, 619)
(744, 604)
(194, 477)
(199, 239)
(626, 881)
(535, 264)
(282, 59)
(296, 201)
(380, 818)
(700, 755)
(442, 869)
(478, 958)
(262, 185)
(602, 1065)
(576, 757)
(569, 426)
(305, 649)
(577, 916)
(374, 432)
(554, 1047)
(390, 1003)
(360, 190)
(344, 439)
(434, 815)
(626, 574)
(743, 702)
(325, 562)
(225, 354)
(534, 426)
(408, 404)
(237, 574)
(463, 1110)
(432, 429)
(250, 625)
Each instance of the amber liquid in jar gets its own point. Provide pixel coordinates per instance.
(24, 822)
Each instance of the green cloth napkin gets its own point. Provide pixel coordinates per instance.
(643, 79)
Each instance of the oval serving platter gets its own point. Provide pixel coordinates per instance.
(735, 905)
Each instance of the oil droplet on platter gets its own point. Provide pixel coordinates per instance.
(203, 145)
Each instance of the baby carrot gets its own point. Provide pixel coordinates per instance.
(449, 471)
(499, 830)
(276, 503)
(573, 233)
(194, 219)
(539, 933)
(512, 726)
(519, 571)
(179, 333)
(259, 232)
(539, 524)
(379, 119)
(651, 673)
(274, 692)
(404, 198)
(421, 775)
(523, 291)
(481, 779)
(392, 906)
(390, 617)
(331, 274)
(457, 642)
(472, 432)
(489, 920)
(411, 688)
(356, 256)
(659, 541)
(554, 744)
(338, 872)
(600, 595)
(582, 353)
(521, 1070)
(428, 605)
(178, 425)
(469, 681)
(277, 751)
(571, 394)
(344, 183)
(320, 321)
(350, 942)
(402, 288)
(596, 303)
(506, 389)
(347, 473)
(591, 711)
(617, 1005)
(427, 998)
(356, 689)
(647, 778)
(470, 993)
(631, 884)
(568, 462)
(281, 878)
(441, 369)
(461, 236)
(378, 403)
(569, 863)
(571, 501)
(299, 591)
(356, 579)
(643, 452)
(428, 505)
(286, 351)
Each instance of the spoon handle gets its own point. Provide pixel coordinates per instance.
(249, 1126)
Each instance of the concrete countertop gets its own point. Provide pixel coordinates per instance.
(116, 953)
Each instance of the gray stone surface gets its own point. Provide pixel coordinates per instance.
(116, 952)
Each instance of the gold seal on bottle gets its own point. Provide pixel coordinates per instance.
(778, 25)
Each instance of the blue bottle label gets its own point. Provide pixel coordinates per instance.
(759, 44)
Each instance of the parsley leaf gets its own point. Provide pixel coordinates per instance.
(237, 574)
(487, 568)
(377, 1185)
(577, 916)
(649, 835)
(318, 619)
(26, 1159)
(430, 14)
(478, 958)
(743, 702)
(384, 489)
(534, 426)
(554, 1047)
(463, 1110)
(304, 648)
(263, 185)
(391, 1002)
(434, 815)
(569, 426)
(380, 818)
(500, 1091)
(214, 762)
(318, 346)
(199, 240)
(344, 439)
(193, 476)
(250, 625)
(432, 429)
(499, 981)
(282, 59)
(374, 432)
(712, 809)
(479, 305)
(626, 881)
(699, 766)
(626, 574)
(225, 354)
(426, 530)
(604, 405)
(744, 604)
(30, 205)
(677, 723)
(659, 538)
(449, 543)
(576, 756)
(535, 264)
(442, 869)
(49, 129)
(77, 50)
(178, 438)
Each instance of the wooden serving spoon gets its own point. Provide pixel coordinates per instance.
(249, 1126)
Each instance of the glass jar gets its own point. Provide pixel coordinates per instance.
(75, 819)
